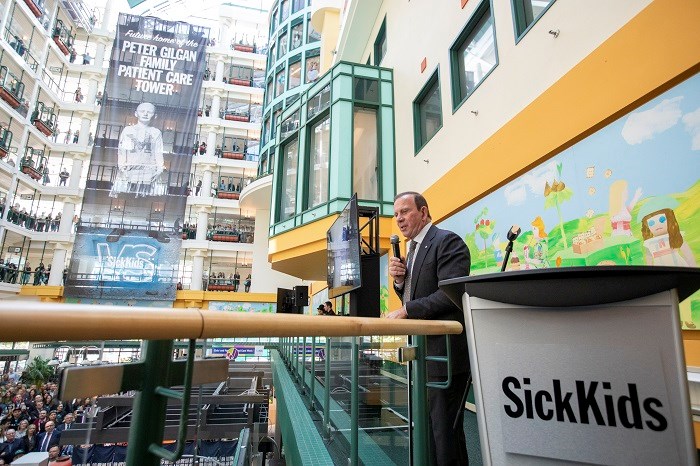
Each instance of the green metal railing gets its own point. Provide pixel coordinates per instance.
(349, 348)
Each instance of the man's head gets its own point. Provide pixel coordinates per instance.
(10, 435)
(144, 112)
(16, 413)
(321, 309)
(54, 451)
(68, 418)
(42, 414)
(329, 306)
(49, 426)
(411, 213)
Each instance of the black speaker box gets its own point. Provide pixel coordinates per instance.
(301, 296)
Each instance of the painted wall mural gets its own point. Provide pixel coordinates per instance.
(232, 306)
(628, 194)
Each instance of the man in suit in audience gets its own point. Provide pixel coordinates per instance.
(433, 255)
(51, 437)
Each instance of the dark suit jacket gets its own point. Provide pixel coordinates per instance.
(9, 450)
(441, 255)
(55, 440)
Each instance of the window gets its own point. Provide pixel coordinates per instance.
(284, 10)
(364, 150)
(283, 46)
(473, 54)
(380, 44)
(312, 35)
(427, 112)
(297, 34)
(272, 55)
(288, 185)
(280, 82)
(319, 150)
(312, 65)
(297, 5)
(294, 74)
(527, 12)
(273, 21)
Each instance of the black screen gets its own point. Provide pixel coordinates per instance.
(343, 245)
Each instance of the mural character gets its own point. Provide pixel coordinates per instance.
(536, 251)
(663, 240)
(620, 211)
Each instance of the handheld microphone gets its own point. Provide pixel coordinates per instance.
(512, 235)
(395, 246)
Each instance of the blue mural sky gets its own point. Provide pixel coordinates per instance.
(656, 148)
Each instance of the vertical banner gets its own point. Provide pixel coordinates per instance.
(128, 237)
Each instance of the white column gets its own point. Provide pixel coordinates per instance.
(100, 53)
(66, 225)
(202, 224)
(58, 263)
(76, 173)
(84, 130)
(211, 143)
(206, 184)
(219, 75)
(197, 270)
(107, 15)
(215, 106)
(6, 15)
(91, 93)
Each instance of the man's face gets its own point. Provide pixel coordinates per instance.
(49, 426)
(10, 435)
(145, 112)
(68, 419)
(409, 219)
(42, 414)
(53, 452)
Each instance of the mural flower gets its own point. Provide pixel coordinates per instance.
(554, 196)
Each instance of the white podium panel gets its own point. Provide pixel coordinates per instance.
(598, 384)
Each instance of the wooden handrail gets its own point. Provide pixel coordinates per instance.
(52, 322)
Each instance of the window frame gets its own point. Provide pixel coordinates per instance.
(315, 120)
(292, 138)
(434, 78)
(467, 30)
(517, 14)
(377, 48)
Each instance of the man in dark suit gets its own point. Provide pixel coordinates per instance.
(47, 439)
(9, 448)
(433, 255)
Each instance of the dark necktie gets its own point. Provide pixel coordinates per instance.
(409, 264)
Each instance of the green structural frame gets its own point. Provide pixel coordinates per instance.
(348, 86)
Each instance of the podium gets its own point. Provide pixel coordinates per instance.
(580, 364)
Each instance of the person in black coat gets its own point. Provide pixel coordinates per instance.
(436, 255)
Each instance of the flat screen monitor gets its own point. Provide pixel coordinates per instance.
(343, 246)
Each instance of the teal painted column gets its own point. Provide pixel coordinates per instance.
(327, 392)
(312, 382)
(148, 420)
(354, 403)
(419, 404)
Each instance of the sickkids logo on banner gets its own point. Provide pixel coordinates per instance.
(128, 240)
(597, 404)
(552, 398)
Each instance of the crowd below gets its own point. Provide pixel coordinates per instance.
(219, 282)
(220, 232)
(32, 419)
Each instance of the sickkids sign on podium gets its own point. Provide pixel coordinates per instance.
(128, 242)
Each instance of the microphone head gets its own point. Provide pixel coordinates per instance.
(394, 239)
(513, 233)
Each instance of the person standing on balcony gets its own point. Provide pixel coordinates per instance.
(434, 254)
